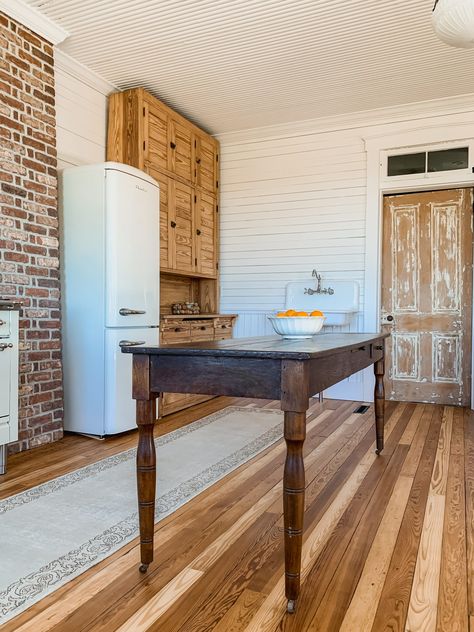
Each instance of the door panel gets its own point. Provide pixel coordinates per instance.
(206, 164)
(182, 227)
(164, 216)
(427, 290)
(156, 135)
(181, 150)
(132, 250)
(206, 234)
(5, 384)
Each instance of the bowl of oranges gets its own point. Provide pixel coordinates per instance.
(297, 324)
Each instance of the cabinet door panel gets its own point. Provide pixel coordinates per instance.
(182, 227)
(181, 150)
(207, 164)
(156, 136)
(206, 219)
(164, 216)
(5, 377)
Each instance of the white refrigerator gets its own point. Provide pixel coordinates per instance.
(110, 290)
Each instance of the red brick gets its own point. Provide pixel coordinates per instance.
(29, 221)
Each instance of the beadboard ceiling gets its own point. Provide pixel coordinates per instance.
(237, 64)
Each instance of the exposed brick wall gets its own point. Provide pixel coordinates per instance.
(29, 262)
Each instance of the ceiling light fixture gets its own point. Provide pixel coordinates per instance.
(453, 22)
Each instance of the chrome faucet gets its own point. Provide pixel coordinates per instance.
(319, 289)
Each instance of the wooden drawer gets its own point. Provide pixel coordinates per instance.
(222, 335)
(177, 331)
(202, 330)
(223, 325)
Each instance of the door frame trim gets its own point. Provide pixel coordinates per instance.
(379, 186)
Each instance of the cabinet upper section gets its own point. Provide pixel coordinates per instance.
(144, 132)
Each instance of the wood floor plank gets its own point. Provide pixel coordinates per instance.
(393, 605)
(362, 609)
(469, 494)
(452, 604)
(215, 574)
(423, 608)
(219, 558)
(352, 549)
(324, 596)
(273, 609)
(238, 616)
(361, 612)
(231, 496)
(144, 619)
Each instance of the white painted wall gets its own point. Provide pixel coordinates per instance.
(293, 198)
(81, 112)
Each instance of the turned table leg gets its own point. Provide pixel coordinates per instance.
(293, 503)
(146, 479)
(379, 403)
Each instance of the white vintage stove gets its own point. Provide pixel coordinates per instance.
(9, 312)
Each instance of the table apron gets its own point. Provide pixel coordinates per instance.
(325, 372)
(251, 377)
(208, 375)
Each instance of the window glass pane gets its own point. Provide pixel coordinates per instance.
(448, 159)
(405, 164)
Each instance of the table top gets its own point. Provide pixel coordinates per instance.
(275, 347)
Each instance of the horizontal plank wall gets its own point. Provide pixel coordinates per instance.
(293, 198)
(81, 113)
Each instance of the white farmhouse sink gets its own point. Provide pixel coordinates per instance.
(339, 308)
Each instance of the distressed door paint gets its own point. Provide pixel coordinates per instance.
(427, 288)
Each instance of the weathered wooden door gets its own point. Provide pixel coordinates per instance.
(427, 295)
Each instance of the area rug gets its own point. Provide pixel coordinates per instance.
(56, 531)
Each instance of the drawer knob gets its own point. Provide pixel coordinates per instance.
(173, 224)
(203, 328)
(3, 322)
(177, 329)
(6, 345)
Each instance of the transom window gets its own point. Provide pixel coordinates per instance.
(428, 161)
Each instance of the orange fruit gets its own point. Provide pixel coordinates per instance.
(302, 314)
(281, 315)
(316, 312)
(290, 312)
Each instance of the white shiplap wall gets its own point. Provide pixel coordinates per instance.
(81, 113)
(293, 198)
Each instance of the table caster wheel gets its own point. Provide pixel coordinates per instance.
(291, 606)
(143, 568)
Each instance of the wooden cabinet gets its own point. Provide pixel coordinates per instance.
(188, 228)
(175, 329)
(145, 133)
(184, 159)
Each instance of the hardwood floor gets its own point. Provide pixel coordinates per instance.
(389, 540)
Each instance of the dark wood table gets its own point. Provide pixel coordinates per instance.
(267, 368)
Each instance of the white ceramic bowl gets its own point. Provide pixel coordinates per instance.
(297, 326)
